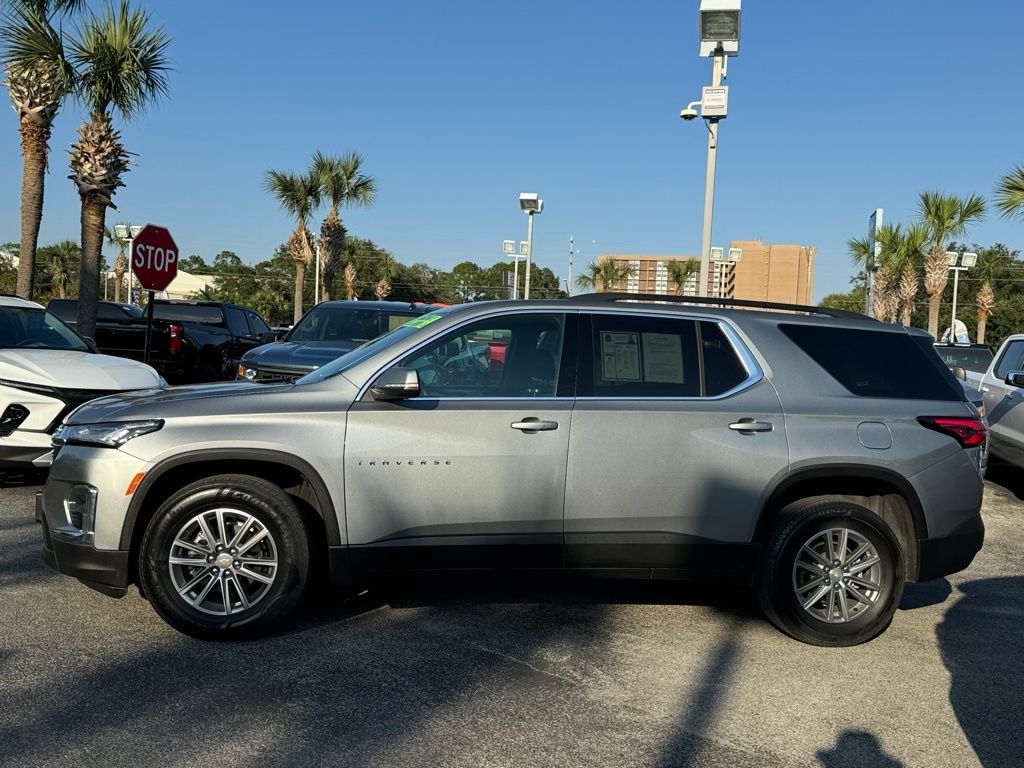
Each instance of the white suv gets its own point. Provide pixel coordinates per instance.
(47, 370)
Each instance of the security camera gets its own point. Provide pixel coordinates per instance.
(688, 114)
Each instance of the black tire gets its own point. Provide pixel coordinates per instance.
(776, 584)
(272, 508)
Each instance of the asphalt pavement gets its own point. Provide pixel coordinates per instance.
(515, 672)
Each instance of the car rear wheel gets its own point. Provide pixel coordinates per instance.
(831, 573)
(226, 557)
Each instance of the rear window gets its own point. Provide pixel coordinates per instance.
(876, 363)
(976, 359)
(193, 313)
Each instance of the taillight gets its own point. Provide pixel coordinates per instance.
(175, 343)
(970, 433)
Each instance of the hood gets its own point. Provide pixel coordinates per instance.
(171, 401)
(303, 355)
(75, 370)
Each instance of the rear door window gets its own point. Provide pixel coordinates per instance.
(638, 356)
(722, 367)
(257, 327)
(236, 321)
(877, 363)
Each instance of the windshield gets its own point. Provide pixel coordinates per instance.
(31, 328)
(346, 324)
(371, 348)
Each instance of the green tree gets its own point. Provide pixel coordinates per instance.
(343, 183)
(604, 275)
(681, 270)
(60, 262)
(194, 264)
(121, 64)
(300, 195)
(852, 301)
(945, 217)
(1010, 193)
(38, 78)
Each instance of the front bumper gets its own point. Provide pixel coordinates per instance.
(23, 449)
(951, 553)
(103, 570)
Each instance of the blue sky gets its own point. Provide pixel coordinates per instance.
(835, 109)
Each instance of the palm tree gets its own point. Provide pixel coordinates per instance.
(38, 78)
(990, 264)
(121, 260)
(862, 253)
(946, 217)
(901, 251)
(122, 65)
(387, 271)
(604, 275)
(299, 195)
(62, 265)
(681, 270)
(1010, 194)
(350, 281)
(342, 183)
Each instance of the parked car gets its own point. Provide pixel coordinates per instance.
(47, 370)
(326, 331)
(192, 341)
(824, 458)
(1001, 386)
(974, 359)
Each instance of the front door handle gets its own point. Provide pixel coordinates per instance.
(533, 424)
(749, 426)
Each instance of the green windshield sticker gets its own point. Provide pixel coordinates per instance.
(422, 321)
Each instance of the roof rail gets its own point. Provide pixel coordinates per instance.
(720, 302)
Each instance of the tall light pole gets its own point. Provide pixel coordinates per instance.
(568, 283)
(123, 232)
(719, 22)
(968, 260)
(874, 224)
(530, 204)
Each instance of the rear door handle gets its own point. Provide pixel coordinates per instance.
(533, 424)
(751, 425)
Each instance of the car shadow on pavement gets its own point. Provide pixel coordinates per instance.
(1006, 475)
(925, 593)
(987, 624)
(857, 749)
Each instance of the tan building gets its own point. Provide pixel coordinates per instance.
(781, 273)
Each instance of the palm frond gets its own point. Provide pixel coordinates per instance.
(1010, 194)
(32, 45)
(342, 181)
(121, 61)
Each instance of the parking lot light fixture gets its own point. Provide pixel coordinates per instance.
(530, 203)
(968, 260)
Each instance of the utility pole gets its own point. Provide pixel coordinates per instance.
(709, 180)
(569, 283)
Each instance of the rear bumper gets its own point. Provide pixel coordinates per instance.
(103, 570)
(951, 553)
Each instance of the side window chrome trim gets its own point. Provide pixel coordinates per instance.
(747, 360)
(566, 311)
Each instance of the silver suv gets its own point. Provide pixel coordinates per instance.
(822, 457)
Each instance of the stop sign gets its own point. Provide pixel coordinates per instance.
(154, 258)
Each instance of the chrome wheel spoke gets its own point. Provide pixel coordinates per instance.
(206, 590)
(183, 590)
(817, 596)
(192, 546)
(225, 596)
(860, 596)
(856, 554)
(211, 540)
(844, 538)
(844, 610)
(810, 585)
(256, 539)
(865, 583)
(221, 530)
(815, 556)
(863, 565)
(240, 531)
(256, 576)
(188, 561)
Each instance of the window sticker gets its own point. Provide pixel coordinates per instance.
(663, 358)
(621, 356)
(422, 321)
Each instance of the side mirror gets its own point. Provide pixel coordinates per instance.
(960, 373)
(268, 337)
(396, 384)
(1015, 378)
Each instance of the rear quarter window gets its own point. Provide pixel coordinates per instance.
(877, 363)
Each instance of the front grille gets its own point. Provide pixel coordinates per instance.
(278, 374)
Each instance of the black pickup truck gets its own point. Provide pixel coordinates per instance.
(192, 341)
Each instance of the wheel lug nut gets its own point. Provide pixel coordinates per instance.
(238, 564)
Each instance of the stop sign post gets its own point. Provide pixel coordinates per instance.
(154, 260)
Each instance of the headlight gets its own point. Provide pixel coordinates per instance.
(105, 434)
(249, 374)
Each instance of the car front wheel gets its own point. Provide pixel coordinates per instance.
(831, 573)
(226, 557)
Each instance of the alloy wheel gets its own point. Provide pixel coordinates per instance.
(837, 575)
